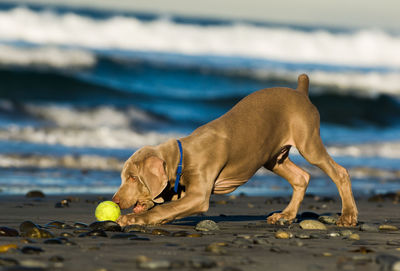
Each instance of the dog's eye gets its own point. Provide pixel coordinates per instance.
(133, 178)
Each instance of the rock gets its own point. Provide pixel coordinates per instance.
(134, 228)
(354, 237)
(155, 264)
(369, 227)
(58, 225)
(7, 247)
(6, 231)
(107, 225)
(99, 233)
(32, 265)
(123, 235)
(61, 204)
(180, 234)
(386, 261)
(303, 236)
(27, 226)
(79, 225)
(217, 248)
(202, 262)
(78, 231)
(194, 235)
(8, 262)
(206, 225)
(66, 234)
(35, 194)
(139, 238)
(53, 241)
(333, 234)
(280, 234)
(396, 266)
(160, 232)
(283, 222)
(393, 243)
(346, 233)
(31, 250)
(330, 220)
(386, 227)
(312, 225)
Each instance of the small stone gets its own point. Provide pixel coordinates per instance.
(31, 250)
(6, 231)
(180, 234)
(62, 204)
(201, 262)
(79, 225)
(107, 225)
(346, 233)
(280, 234)
(58, 225)
(27, 226)
(134, 228)
(82, 231)
(53, 241)
(160, 232)
(206, 225)
(354, 237)
(7, 247)
(283, 222)
(31, 264)
(99, 233)
(56, 259)
(386, 261)
(396, 266)
(386, 227)
(123, 235)
(312, 225)
(156, 264)
(139, 238)
(393, 243)
(35, 194)
(333, 234)
(38, 233)
(330, 220)
(216, 248)
(8, 262)
(221, 202)
(66, 234)
(194, 235)
(369, 227)
(303, 236)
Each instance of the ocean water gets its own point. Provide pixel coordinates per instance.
(82, 89)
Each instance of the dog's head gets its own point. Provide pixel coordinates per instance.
(143, 178)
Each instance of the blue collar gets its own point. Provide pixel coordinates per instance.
(179, 170)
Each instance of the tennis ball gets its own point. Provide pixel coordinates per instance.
(107, 210)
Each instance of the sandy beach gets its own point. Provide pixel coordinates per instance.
(244, 241)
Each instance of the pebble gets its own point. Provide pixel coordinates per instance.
(53, 241)
(134, 228)
(27, 226)
(202, 262)
(280, 234)
(206, 225)
(330, 220)
(346, 233)
(155, 264)
(7, 247)
(160, 232)
(38, 233)
(62, 204)
(58, 225)
(79, 225)
(32, 265)
(31, 250)
(8, 262)
(194, 235)
(369, 227)
(6, 231)
(123, 235)
(180, 234)
(35, 194)
(393, 242)
(107, 225)
(217, 248)
(386, 227)
(386, 261)
(66, 234)
(333, 234)
(99, 233)
(303, 236)
(56, 259)
(139, 238)
(283, 222)
(312, 225)
(354, 237)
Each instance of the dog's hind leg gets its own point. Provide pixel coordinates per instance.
(315, 153)
(298, 179)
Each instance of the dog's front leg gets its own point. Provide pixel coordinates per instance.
(191, 203)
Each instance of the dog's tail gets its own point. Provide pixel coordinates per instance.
(302, 84)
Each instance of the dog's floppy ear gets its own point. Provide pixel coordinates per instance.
(154, 175)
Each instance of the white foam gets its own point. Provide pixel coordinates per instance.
(363, 48)
(46, 56)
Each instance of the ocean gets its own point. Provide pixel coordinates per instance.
(82, 89)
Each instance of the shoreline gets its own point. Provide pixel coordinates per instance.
(244, 240)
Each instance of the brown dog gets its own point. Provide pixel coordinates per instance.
(223, 154)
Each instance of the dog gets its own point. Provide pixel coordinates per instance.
(225, 153)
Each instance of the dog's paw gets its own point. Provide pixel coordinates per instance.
(130, 219)
(347, 220)
(280, 218)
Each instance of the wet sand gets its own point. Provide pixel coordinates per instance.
(244, 240)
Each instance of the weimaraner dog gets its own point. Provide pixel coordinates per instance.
(225, 153)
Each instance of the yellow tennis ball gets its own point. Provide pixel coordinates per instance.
(107, 210)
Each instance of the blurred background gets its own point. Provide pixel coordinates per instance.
(86, 83)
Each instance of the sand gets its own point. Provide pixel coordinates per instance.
(244, 240)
